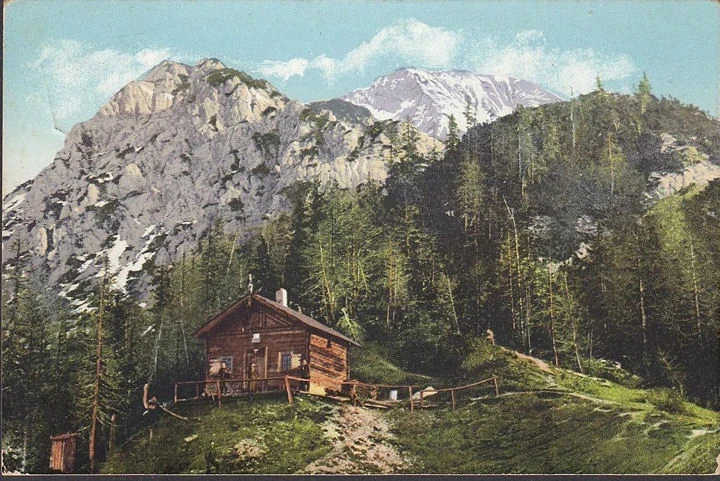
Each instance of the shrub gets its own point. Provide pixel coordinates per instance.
(219, 77)
(605, 369)
(666, 399)
(236, 204)
(261, 170)
(374, 130)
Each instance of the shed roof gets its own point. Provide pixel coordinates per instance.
(298, 316)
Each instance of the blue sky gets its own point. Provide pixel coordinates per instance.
(63, 59)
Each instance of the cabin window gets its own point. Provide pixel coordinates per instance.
(215, 364)
(329, 343)
(286, 361)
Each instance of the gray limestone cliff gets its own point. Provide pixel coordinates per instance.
(171, 154)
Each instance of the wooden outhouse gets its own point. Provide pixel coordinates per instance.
(62, 452)
(276, 338)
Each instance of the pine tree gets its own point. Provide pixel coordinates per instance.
(599, 86)
(470, 199)
(644, 93)
(98, 369)
(453, 137)
(614, 161)
(97, 390)
(469, 114)
(395, 282)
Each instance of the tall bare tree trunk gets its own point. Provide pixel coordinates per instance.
(695, 289)
(182, 310)
(522, 308)
(329, 299)
(574, 332)
(98, 373)
(577, 348)
(572, 118)
(452, 304)
(111, 446)
(643, 314)
(612, 165)
(552, 319)
(26, 429)
(513, 314)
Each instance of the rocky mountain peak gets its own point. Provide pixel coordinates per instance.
(170, 154)
(200, 87)
(154, 92)
(166, 72)
(208, 65)
(428, 98)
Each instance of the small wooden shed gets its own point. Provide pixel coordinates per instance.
(276, 338)
(62, 452)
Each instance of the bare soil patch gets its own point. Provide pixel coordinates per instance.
(361, 444)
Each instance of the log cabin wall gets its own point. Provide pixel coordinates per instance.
(233, 337)
(283, 336)
(328, 361)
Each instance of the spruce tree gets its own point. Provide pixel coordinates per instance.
(453, 138)
(644, 93)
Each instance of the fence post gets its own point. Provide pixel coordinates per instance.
(289, 392)
(197, 390)
(175, 397)
(412, 406)
(497, 391)
(452, 394)
(219, 395)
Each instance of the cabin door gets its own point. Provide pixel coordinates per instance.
(257, 355)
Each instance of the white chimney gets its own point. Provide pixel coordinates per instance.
(281, 297)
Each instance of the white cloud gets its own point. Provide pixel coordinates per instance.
(412, 43)
(528, 36)
(75, 76)
(285, 70)
(409, 41)
(529, 58)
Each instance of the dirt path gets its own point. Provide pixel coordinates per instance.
(361, 444)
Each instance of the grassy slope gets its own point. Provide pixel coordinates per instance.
(569, 423)
(261, 435)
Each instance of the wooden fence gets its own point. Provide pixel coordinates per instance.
(380, 395)
(217, 389)
(374, 393)
(454, 390)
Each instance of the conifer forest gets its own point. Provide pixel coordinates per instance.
(543, 227)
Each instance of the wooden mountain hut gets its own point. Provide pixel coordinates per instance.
(275, 338)
(62, 452)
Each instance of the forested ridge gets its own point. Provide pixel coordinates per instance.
(544, 226)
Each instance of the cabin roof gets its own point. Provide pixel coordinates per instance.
(302, 318)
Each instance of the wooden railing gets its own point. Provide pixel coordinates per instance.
(217, 389)
(453, 390)
(356, 384)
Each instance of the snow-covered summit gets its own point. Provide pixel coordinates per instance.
(428, 98)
